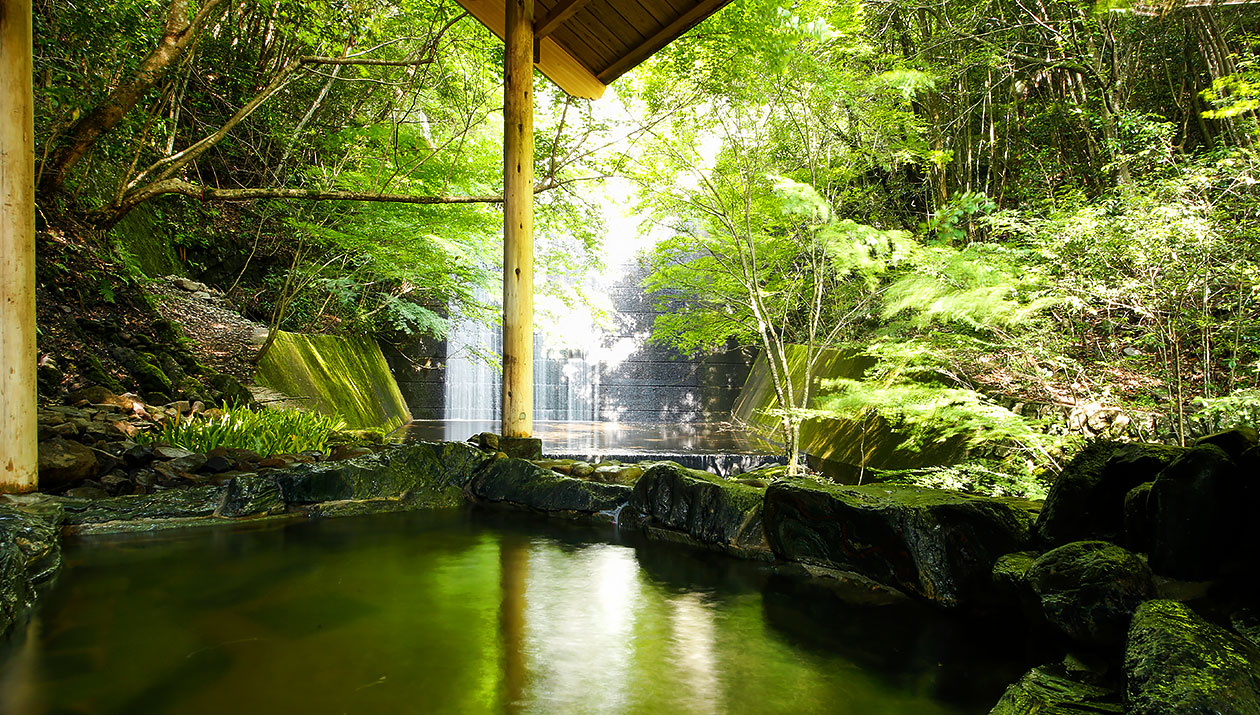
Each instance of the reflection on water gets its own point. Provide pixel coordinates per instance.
(607, 437)
(467, 613)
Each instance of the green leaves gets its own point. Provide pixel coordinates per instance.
(266, 432)
(984, 288)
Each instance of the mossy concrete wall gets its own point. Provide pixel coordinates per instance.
(345, 377)
(839, 447)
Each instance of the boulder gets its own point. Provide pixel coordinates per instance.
(1011, 584)
(168, 504)
(98, 395)
(706, 507)
(1090, 589)
(168, 452)
(437, 470)
(251, 496)
(216, 465)
(348, 451)
(521, 447)
(30, 552)
(1137, 518)
(115, 484)
(938, 544)
(16, 594)
(1048, 690)
(627, 474)
(1177, 663)
(1234, 442)
(521, 483)
(234, 393)
(62, 461)
(1087, 500)
(1197, 510)
(154, 384)
(34, 522)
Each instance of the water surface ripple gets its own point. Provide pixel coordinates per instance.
(467, 612)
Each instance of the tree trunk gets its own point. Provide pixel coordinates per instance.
(179, 34)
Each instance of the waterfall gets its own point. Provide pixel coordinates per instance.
(472, 381)
(585, 370)
(566, 380)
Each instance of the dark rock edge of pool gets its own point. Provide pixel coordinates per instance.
(1103, 568)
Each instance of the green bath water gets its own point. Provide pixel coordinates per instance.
(467, 612)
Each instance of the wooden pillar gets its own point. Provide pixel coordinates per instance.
(19, 455)
(518, 220)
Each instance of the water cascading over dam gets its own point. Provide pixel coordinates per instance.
(566, 383)
(596, 390)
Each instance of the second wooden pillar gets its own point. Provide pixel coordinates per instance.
(518, 220)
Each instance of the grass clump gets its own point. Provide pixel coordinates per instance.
(266, 432)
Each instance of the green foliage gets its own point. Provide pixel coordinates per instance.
(982, 288)
(1171, 263)
(1237, 409)
(947, 222)
(974, 477)
(266, 432)
(929, 413)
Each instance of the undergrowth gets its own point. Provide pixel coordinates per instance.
(266, 432)
(973, 478)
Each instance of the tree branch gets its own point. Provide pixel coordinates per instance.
(109, 217)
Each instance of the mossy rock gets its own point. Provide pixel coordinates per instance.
(187, 362)
(1087, 499)
(938, 544)
(91, 369)
(1047, 690)
(169, 504)
(1090, 589)
(234, 393)
(1199, 514)
(167, 331)
(521, 483)
(1176, 663)
(706, 507)
(251, 496)
(148, 376)
(1011, 584)
(434, 473)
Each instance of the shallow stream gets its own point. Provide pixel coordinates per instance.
(469, 612)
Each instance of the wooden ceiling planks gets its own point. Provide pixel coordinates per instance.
(557, 16)
(663, 37)
(557, 63)
(585, 44)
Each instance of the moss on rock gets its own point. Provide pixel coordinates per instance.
(940, 545)
(435, 473)
(706, 507)
(92, 370)
(519, 482)
(1176, 663)
(1047, 690)
(149, 377)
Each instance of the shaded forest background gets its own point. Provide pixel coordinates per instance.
(996, 203)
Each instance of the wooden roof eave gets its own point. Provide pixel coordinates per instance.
(555, 62)
(583, 45)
